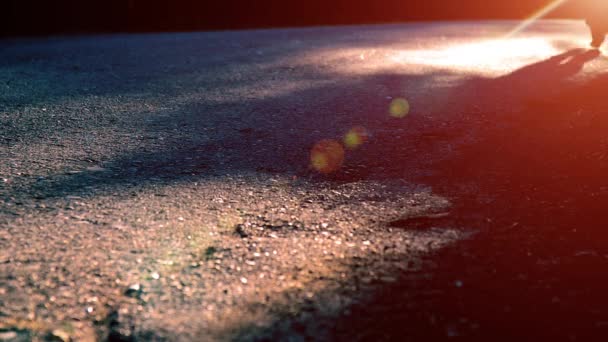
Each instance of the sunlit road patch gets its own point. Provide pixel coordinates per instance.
(493, 51)
(484, 57)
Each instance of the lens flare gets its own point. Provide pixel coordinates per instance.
(327, 156)
(536, 16)
(399, 108)
(355, 137)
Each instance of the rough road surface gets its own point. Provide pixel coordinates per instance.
(192, 186)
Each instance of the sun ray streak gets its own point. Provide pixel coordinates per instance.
(536, 16)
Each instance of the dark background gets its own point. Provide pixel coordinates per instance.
(44, 17)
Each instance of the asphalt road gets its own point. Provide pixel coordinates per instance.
(422, 181)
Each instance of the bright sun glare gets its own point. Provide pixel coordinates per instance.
(503, 54)
(488, 56)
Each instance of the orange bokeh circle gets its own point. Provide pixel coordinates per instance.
(327, 156)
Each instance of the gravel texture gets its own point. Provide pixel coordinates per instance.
(161, 187)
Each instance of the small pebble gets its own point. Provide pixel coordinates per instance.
(134, 290)
(61, 335)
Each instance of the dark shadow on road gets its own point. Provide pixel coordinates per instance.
(272, 136)
(534, 185)
(537, 178)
